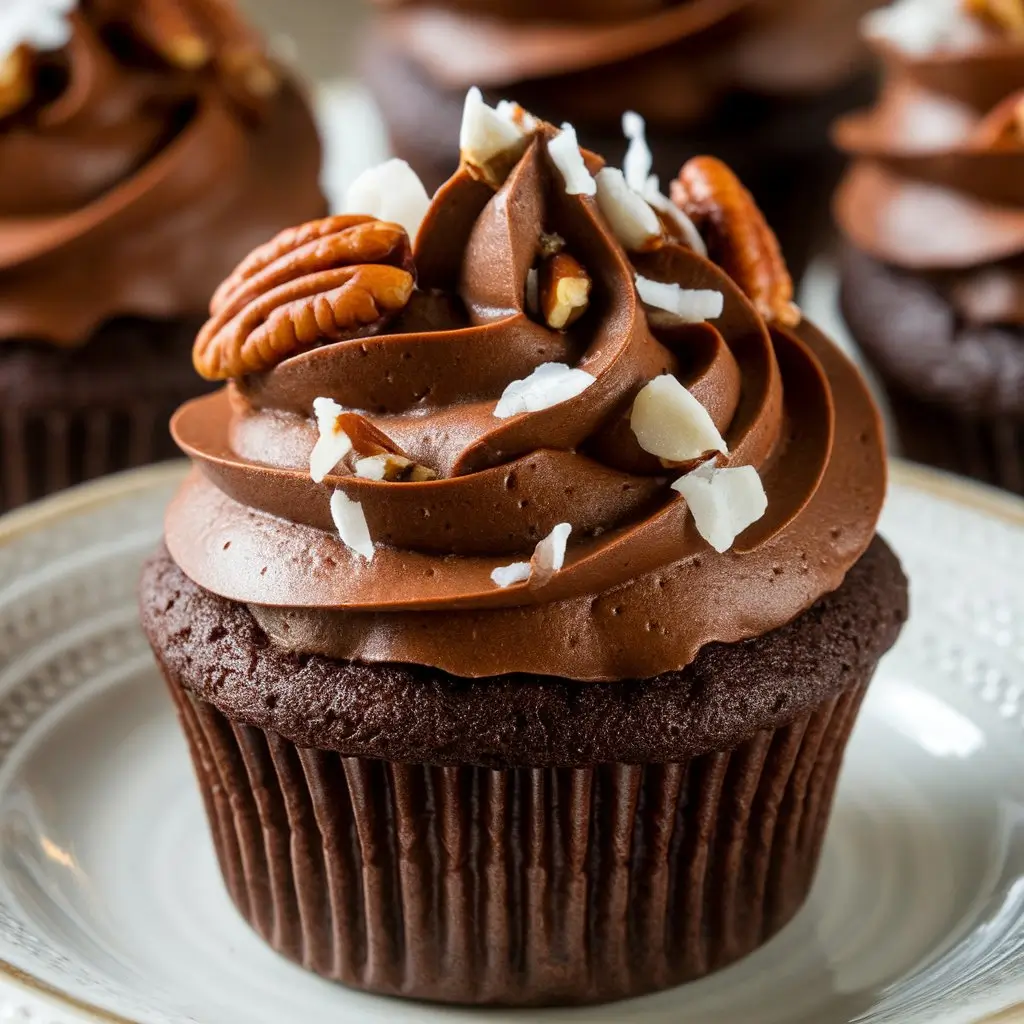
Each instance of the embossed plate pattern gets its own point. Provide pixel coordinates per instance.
(110, 902)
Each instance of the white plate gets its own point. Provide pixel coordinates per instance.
(110, 901)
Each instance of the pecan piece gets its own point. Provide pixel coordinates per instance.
(1005, 15)
(15, 81)
(171, 29)
(738, 237)
(563, 290)
(326, 281)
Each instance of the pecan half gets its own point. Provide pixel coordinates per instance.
(325, 281)
(738, 237)
(1005, 15)
(15, 81)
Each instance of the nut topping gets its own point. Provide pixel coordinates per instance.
(15, 81)
(328, 280)
(738, 237)
(1006, 15)
(564, 290)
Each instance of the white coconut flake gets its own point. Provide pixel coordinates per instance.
(333, 444)
(925, 26)
(724, 502)
(549, 384)
(639, 159)
(393, 192)
(690, 305)
(41, 25)
(549, 554)
(670, 423)
(377, 467)
(514, 113)
(351, 525)
(487, 133)
(507, 575)
(687, 229)
(627, 212)
(548, 558)
(565, 152)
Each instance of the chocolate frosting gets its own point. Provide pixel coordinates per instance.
(136, 187)
(672, 61)
(641, 593)
(937, 183)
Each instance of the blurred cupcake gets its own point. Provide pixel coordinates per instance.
(933, 213)
(525, 589)
(145, 146)
(756, 82)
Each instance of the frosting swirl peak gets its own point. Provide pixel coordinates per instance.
(483, 480)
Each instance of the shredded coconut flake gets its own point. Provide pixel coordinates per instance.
(724, 502)
(548, 558)
(514, 113)
(391, 191)
(42, 25)
(925, 26)
(487, 133)
(670, 423)
(691, 305)
(565, 152)
(351, 524)
(550, 384)
(627, 212)
(639, 159)
(549, 555)
(687, 229)
(333, 444)
(507, 575)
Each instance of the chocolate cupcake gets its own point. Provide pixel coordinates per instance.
(933, 214)
(756, 82)
(525, 588)
(145, 147)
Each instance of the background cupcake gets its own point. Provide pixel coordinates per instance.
(756, 82)
(933, 213)
(525, 588)
(145, 146)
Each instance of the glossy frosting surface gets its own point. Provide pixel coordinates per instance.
(132, 187)
(641, 592)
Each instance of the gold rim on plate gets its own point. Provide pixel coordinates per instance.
(944, 486)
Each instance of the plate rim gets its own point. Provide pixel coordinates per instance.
(39, 515)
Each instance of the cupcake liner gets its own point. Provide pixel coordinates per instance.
(521, 886)
(45, 452)
(70, 415)
(990, 449)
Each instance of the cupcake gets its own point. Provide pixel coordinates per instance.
(933, 215)
(145, 147)
(525, 588)
(756, 82)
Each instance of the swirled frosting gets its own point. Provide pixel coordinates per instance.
(130, 187)
(673, 61)
(640, 591)
(937, 181)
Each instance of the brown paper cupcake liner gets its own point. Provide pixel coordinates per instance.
(45, 452)
(520, 886)
(990, 449)
(71, 415)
